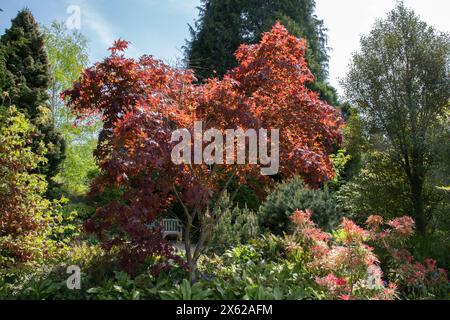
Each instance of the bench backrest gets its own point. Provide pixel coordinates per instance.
(172, 225)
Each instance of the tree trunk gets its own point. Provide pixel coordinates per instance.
(187, 247)
(417, 200)
(192, 271)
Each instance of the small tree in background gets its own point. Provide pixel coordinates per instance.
(235, 226)
(67, 57)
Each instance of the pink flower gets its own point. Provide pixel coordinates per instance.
(393, 286)
(333, 284)
(353, 232)
(404, 225)
(320, 249)
(431, 264)
(375, 271)
(385, 233)
(302, 217)
(374, 221)
(389, 292)
(370, 259)
(316, 235)
(337, 257)
(341, 282)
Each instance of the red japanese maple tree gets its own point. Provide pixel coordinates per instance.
(143, 101)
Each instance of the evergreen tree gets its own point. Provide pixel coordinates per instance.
(26, 64)
(224, 24)
(4, 78)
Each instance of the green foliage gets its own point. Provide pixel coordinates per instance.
(99, 280)
(27, 68)
(266, 268)
(26, 63)
(256, 271)
(249, 194)
(340, 162)
(399, 84)
(32, 228)
(4, 79)
(121, 287)
(79, 167)
(67, 57)
(354, 140)
(294, 195)
(235, 226)
(186, 291)
(379, 187)
(436, 246)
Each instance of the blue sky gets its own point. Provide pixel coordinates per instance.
(160, 27)
(153, 27)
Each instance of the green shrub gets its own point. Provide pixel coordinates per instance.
(186, 291)
(33, 229)
(235, 226)
(99, 280)
(294, 195)
(256, 272)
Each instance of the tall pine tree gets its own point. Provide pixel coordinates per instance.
(25, 61)
(224, 24)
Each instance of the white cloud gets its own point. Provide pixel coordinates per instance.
(347, 20)
(92, 20)
(101, 31)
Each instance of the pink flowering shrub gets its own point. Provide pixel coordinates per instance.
(415, 279)
(346, 267)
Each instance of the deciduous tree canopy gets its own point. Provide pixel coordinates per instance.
(143, 101)
(400, 83)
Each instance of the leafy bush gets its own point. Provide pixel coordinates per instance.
(346, 267)
(414, 278)
(99, 279)
(254, 272)
(379, 187)
(350, 263)
(294, 195)
(186, 291)
(33, 230)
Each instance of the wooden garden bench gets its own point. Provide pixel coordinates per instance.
(172, 227)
